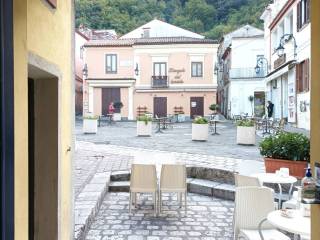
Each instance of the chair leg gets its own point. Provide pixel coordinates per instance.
(130, 202)
(154, 204)
(160, 202)
(185, 202)
(135, 200)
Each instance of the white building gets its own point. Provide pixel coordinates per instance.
(287, 85)
(240, 88)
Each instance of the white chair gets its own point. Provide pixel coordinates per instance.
(143, 180)
(173, 180)
(293, 203)
(252, 205)
(246, 181)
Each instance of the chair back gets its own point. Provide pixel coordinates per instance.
(246, 181)
(252, 204)
(143, 177)
(173, 176)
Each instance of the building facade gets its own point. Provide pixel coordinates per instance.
(36, 119)
(240, 86)
(288, 49)
(157, 68)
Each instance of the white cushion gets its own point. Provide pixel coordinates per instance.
(268, 234)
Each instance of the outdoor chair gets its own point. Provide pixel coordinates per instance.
(252, 206)
(279, 125)
(173, 180)
(246, 181)
(143, 180)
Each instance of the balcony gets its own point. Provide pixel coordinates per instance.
(160, 81)
(247, 73)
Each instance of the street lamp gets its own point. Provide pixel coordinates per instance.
(283, 40)
(136, 71)
(260, 64)
(85, 71)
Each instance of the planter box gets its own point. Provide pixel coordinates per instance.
(296, 168)
(90, 125)
(200, 132)
(246, 135)
(143, 129)
(117, 117)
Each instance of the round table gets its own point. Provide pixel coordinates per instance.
(297, 225)
(276, 179)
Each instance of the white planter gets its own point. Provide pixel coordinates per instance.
(246, 135)
(181, 118)
(90, 125)
(117, 117)
(144, 129)
(200, 132)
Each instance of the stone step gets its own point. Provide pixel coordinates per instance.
(199, 186)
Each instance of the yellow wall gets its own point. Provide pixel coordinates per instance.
(315, 102)
(47, 33)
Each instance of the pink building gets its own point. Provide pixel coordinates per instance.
(157, 68)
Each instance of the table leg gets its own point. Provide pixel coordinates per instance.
(159, 128)
(280, 195)
(215, 129)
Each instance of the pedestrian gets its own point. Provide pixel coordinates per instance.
(270, 107)
(111, 111)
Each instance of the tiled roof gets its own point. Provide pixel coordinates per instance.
(148, 41)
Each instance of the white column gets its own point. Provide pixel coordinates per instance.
(90, 99)
(130, 109)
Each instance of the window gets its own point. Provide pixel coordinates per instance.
(196, 69)
(302, 76)
(111, 63)
(160, 69)
(274, 39)
(303, 13)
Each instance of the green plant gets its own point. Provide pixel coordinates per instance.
(285, 145)
(144, 118)
(200, 120)
(245, 123)
(118, 105)
(214, 107)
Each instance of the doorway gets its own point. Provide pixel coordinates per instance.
(160, 106)
(43, 153)
(259, 104)
(196, 107)
(109, 95)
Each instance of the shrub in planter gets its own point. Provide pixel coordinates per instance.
(117, 106)
(90, 124)
(291, 150)
(200, 129)
(246, 132)
(144, 126)
(214, 107)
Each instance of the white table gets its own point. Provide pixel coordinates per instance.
(298, 225)
(276, 179)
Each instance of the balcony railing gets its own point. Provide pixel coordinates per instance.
(159, 81)
(247, 73)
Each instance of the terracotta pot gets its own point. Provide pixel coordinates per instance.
(296, 168)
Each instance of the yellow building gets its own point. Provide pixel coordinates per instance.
(37, 119)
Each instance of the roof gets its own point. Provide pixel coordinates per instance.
(148, 41)
(245, 32)
(158, 28)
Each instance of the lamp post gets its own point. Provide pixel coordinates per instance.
(283, 40)
(136, 70)
(260, 64)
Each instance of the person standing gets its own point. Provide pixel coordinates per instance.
(270, 107)
(111, 111)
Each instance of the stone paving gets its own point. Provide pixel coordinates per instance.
(206, 219)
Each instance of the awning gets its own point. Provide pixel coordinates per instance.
(280, 71)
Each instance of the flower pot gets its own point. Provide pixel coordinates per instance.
(296, 168)
(143, 129)
(90, 125)
(246, 135)
(200, 132)
(117, 117)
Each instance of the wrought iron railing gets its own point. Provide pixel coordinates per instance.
(159, 81)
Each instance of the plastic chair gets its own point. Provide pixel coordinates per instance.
(252, 205)
(246, 181)
(173, 180)
(143, 180)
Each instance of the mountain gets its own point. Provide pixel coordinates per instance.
(212, 18)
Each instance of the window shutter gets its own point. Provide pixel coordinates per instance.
(53, 3)
(298, 73)
(307, 11)
(306, 73)
(298, 16)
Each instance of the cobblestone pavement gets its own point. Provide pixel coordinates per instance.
(206, 219)
(177, 139)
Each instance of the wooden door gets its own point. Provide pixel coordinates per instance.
(196, 106)
(160, 106)
(109, 95)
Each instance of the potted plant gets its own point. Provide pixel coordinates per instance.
(214, 107)
(200, 129)
(144, 126)
(246, 132)
(290, 150)
(117, 106)
(251, 100)
(90, 124)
